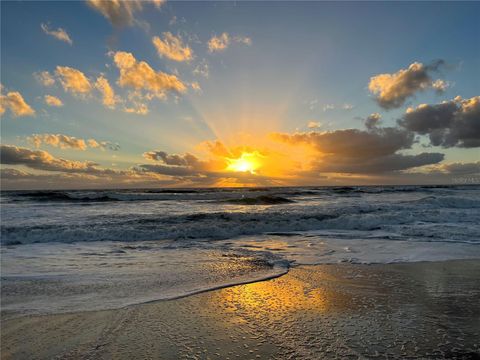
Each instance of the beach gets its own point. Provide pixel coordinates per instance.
(239, 180)
(404, 310)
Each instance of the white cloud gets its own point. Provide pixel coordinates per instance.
(59, 34)
(44, 78)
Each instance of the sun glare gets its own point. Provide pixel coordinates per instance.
(247, 162)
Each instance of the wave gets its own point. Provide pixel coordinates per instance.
(405, 221)
(459, 202)
(54, 196)
(260, 200)
(233, 195)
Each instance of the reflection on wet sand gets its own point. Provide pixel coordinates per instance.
(272, 298)
(420, 310)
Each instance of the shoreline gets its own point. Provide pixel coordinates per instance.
(336, 310)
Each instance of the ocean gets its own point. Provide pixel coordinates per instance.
(66, 251)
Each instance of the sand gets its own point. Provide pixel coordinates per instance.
(411, 310)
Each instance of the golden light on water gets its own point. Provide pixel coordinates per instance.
(247, 162)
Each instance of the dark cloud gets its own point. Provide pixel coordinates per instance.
(448, 124)
(19, 179)
(362, 152)
(459, 168)
(174, 164)
(42, 160)
(353, 142)
(372, 120)
(174, 159)
(170, 170)
(376, 165)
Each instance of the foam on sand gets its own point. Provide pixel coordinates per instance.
(59, 278)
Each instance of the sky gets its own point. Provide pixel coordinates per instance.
(195, 94)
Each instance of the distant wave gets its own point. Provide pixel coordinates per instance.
(233, 195)
(62, 196)
(448, 202)
(260, 200)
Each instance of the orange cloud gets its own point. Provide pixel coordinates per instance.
(121, 12)
(70, 142)
(73, 80)
(108, 94)
(14, 102)
(58, 140)
(172, 47)
(219, 43)
(138, 75)
(53, 101)
(392, 90)
(222, 42)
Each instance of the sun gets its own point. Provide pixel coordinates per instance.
(247, 162)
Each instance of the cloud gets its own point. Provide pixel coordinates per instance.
(14, 102)
(448, 124)
(372, 120)
(186, 165)
(459, 168)
(328, 107)
(42, 160)
(104, 145)
(219, 43)
(137, 103)
(58, 140)
(218, 148)
(314, 124)
(202, 69)
(392, 90)
(70, 142)
(19, 179)
(108, 94)
(172, 47)
(59, 34)
(177, 160)
(440, 85)
(139, 76)
(137, 108)
(44, 78)
(196, 86)
(361, 152)
(53, 101)
(121, 12)
(73, 80)
(222, 42)
(312, 104)
(243, 40)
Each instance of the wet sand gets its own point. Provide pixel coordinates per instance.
(415, 310)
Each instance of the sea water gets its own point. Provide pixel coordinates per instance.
(66, 251)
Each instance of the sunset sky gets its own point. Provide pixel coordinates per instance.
(152, 94)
